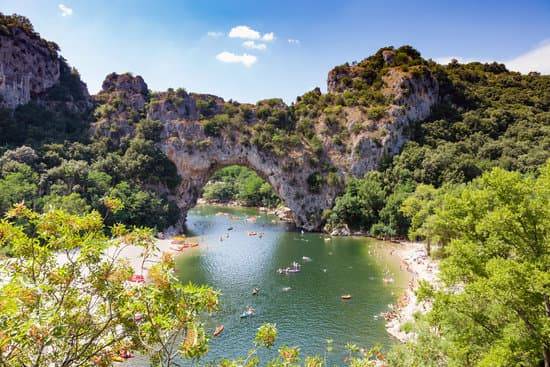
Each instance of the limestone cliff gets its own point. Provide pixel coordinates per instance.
(305, 151)
(32, 70)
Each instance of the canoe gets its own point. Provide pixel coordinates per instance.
(218, 330)
(346, 296)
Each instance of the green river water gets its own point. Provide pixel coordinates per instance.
(306, 306)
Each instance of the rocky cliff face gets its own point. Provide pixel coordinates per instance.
(203, 133)
(30, 67)
(306, 151)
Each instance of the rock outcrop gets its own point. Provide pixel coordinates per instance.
(203, 133)
(306, 151)
(32, 70)
(28, 66)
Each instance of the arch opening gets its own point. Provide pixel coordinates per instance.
(239, 185)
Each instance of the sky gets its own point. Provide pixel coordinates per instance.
(251, 50)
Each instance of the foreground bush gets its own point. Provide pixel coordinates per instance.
(67, 299)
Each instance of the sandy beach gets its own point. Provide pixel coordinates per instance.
(416, 261)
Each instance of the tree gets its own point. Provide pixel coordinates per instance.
(17, 186)
(420, 208)
(68, 299)
(141, 207)
(494, 307)
(358, 207)
(392, 220)
(72, 203)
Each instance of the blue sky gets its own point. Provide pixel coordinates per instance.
(168, 42)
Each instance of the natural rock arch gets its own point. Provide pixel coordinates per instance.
(195, 166)
(299, 149)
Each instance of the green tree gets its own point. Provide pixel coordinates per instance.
(360, 204)
(67, 299)
(72, 203)
(18, 185)
(141, 207)
(393, 221)
(493, 308)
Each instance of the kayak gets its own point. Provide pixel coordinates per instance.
(218, 330)
(246, 314)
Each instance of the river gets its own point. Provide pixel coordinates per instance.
(306, 306)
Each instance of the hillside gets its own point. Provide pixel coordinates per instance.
(413, 120)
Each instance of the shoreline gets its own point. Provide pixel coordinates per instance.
(282, 212)
(413, 260)
(420, 266)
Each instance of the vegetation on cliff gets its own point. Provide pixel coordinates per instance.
(488, 117)
(79, 177)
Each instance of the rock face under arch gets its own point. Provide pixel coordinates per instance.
(196, 165)
(302, 155)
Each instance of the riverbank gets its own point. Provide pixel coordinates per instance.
(415, 260)
(409, 257)
(282, 212)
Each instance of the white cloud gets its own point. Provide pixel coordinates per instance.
(293, 41)
(65, 10)
(245, 59)
(538, 59)
(254, 46)
(268, 37)
(245, 32)
(214, 34)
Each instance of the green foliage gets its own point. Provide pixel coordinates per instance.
(266, 335)
(18, 185)
(493, 307)
(53, 297)
(392, 221)
(490, 117)
(376, 112)
(214, 125)
(141, 207)
(34, 124)
(420, 208)
(359, 205)
(315, 181)
(69, 88)
(72, 203)
(237, 183)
